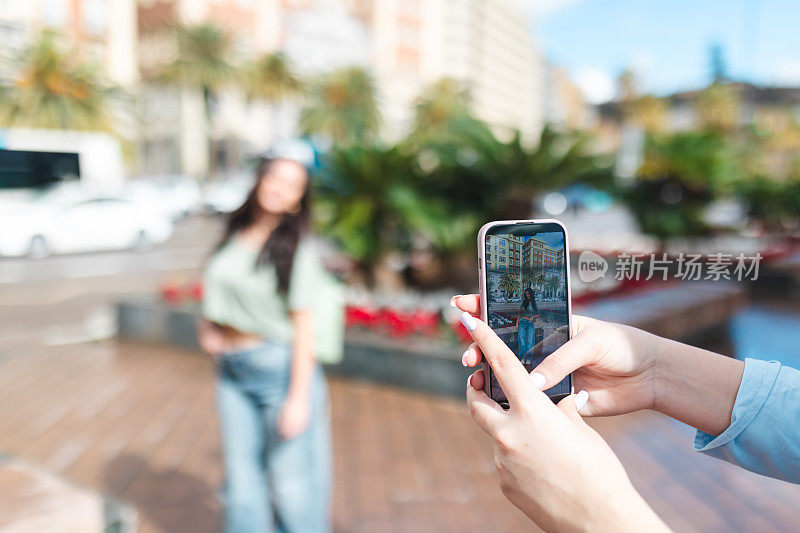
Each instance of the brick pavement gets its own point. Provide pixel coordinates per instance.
(138, 423)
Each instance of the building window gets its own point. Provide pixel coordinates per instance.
(95, 17)
(54, 13)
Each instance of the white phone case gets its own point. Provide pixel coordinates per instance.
(482, 280)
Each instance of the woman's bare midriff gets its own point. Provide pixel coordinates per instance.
(239, 340)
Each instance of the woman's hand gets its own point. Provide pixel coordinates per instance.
(550, 464)
(295, 413)
(625, 369)
(294, 416)
(617, 365)
(211, 339)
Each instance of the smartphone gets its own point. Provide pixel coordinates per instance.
(523, 270)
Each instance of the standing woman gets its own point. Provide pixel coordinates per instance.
(259, 328)
(526, 328)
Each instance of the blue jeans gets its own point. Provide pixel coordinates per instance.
(271, 484)
(526, 335)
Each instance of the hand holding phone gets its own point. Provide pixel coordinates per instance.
(625, 369)
(525, 293)
(550, 463)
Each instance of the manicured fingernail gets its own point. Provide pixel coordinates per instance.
(464, 358)
(469, 321)
(453, 300)
(539, 380)
(580, 400)
(469, 381)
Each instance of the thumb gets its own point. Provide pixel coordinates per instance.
(572, 405)
(572, 355)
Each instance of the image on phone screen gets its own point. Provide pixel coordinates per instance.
(526, 288)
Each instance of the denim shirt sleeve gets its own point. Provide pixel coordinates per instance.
(764, 435)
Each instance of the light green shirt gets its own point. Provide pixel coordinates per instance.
(239, 294)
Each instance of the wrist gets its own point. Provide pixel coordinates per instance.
(298, 392)
(695, 386)
(663, 371)
(627, 512)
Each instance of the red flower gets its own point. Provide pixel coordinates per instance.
(360, 316)
(171, 294)
(394, 322)
(461, 332)
(195, 291)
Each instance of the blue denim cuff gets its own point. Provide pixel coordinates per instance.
(757, 382)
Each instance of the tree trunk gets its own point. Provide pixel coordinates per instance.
(385, 276)
(212, 156)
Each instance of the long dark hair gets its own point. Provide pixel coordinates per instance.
(282, 243)
(528, 301)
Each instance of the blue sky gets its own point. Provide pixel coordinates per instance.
(667, 43)
(554, 240)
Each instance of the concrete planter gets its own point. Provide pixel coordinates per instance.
(410, 363)
(686, 311)
(148, 320)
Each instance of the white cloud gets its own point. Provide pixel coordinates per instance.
(786, 72)
(539, 9)
(642, 61)
(596, 85)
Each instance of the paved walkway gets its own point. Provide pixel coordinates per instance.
(138, 423)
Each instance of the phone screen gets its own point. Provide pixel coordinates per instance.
(527, 294)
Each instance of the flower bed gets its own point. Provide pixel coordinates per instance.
(427, 318)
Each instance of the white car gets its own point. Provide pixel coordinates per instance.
(226, 196)
(59, 222)
(176, 196)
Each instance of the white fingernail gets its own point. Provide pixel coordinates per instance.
(464, 358)
(580, 400)
(469, 381)
(539, 380)
(469, 321)
(453, 301)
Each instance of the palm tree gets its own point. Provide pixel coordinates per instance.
(718, 107)
(552, 283)
(773, 202)
(364, 195)
(538, 280)
(527, 275)
(273, 79)
(627, 86)
(203, 63)
(442, 115)
(509, 284)
(52, 90)
(680, 174)
(649, 112)
(558, 159)
(343, 108)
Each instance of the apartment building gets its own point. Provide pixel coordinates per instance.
(483, 44)
(176, 132)
(504, 253)
(408, 44)
(537, 254)
(101, 31)
(316, 35)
